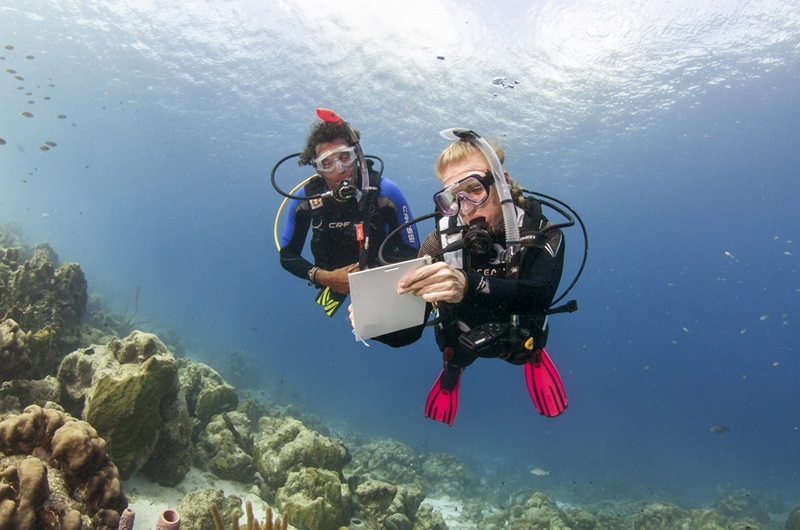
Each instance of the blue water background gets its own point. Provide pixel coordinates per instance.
(672, 129)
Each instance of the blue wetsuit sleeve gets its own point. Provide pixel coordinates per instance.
(293, 239)
(403, 211)
(392, 196)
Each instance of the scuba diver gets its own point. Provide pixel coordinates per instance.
(349, 207)
(497, 264)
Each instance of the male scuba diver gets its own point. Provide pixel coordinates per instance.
(497, 266)
(349, 207)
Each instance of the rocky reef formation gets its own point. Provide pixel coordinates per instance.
(82, 408)
(42, 304)
(225, 447)
(304, 468)
(129, 390)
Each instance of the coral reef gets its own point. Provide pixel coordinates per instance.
(285, 445)
(444, 474)
(224, 450)
(428, 519)
(739, 504)
(386, 460)
(67, 385)
(280, 523)
(54, 471)
(17, 394)
(207, 393)
(44, 303)
(195, 513)
(15, 356)
(129, 391)
(382, 505)
(315, 499)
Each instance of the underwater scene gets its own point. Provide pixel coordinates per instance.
(159, 368)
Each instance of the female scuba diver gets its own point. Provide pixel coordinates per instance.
(349, 209)
(497, 266)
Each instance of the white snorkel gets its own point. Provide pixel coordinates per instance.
(503, 189)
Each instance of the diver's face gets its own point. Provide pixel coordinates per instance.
(339, 172)
(490, 209)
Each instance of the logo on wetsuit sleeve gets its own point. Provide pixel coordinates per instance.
(409, 229)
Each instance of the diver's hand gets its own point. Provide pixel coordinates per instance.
(352, 318)
(437, 282)
(337, 279)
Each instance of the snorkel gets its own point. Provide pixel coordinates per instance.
(503, 189)
(331, 117)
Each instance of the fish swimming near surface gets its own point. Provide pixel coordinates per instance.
(720, 429)
(539, 472)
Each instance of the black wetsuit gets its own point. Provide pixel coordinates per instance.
(491, 297)
(334, 242)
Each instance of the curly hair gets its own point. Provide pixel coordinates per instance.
(323, 132)
(461, 149)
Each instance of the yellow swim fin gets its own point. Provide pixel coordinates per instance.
(330, 300)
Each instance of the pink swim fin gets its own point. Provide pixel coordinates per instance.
(544, 385)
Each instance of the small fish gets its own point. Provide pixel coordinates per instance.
(61, 116)
(539, 472)
(2, 141)
(763, 317)
(30, 57)
(9, 47)
(19, 78)
(43, 148)
(27, 114)
(730, 255)
(720, 429)
(11, 71)
(50, 144)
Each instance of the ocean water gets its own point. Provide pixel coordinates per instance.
(672, 128)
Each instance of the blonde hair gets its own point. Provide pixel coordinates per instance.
(461, 150)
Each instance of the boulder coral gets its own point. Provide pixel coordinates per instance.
(386, 460)
(207, 393)
(315, 499)
(55, 473)
(129, 391)
(384, 505)
(14, 352)
(225, 447)
(285, 445)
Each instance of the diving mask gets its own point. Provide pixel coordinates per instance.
(337, 159)
(472, 190)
